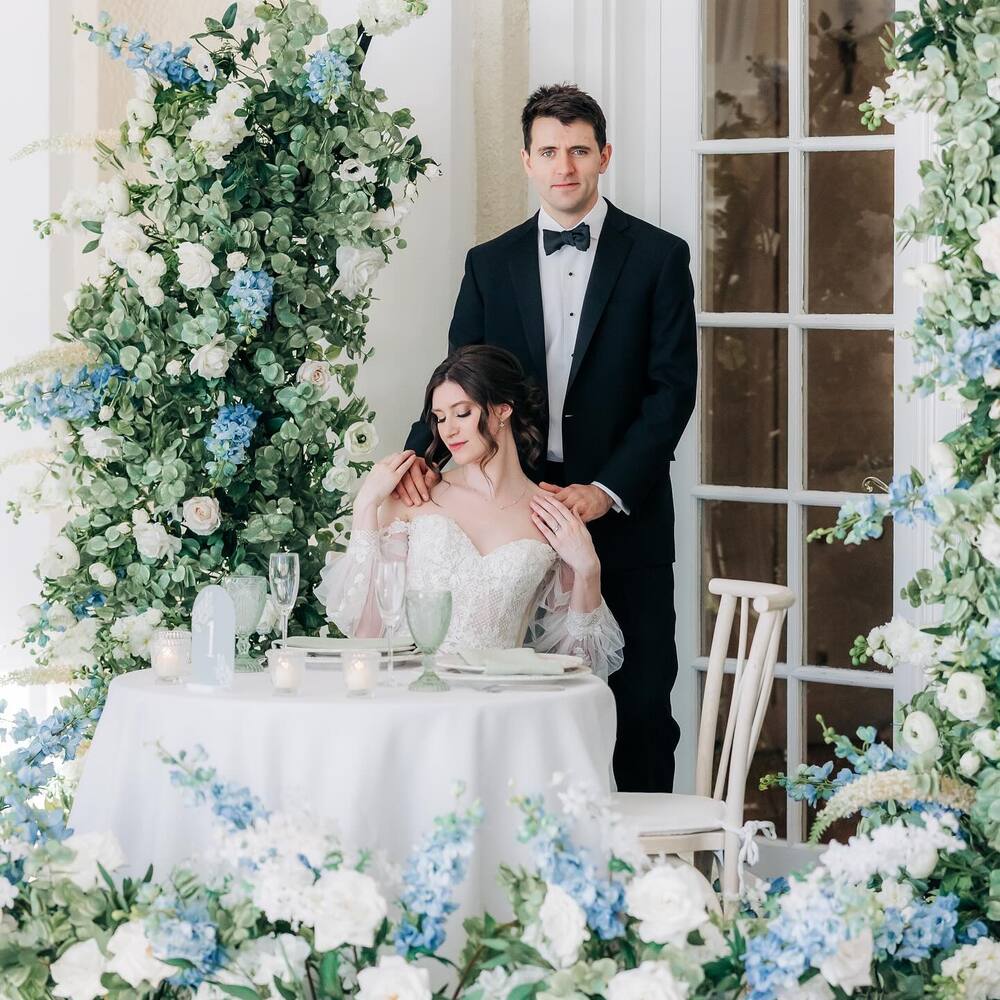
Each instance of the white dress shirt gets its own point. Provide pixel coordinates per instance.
(564, 277)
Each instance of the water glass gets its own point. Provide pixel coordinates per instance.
(390, 590)
(428, 613)
(283, 572)
(249, 595)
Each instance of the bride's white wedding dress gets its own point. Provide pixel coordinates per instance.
(513, 596)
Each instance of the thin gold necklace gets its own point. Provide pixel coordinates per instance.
(503, 506)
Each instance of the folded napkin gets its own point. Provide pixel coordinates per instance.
(509, 661)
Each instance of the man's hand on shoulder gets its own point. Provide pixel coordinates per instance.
(415, 487)
(588, 502)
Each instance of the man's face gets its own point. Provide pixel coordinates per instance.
(564, 164)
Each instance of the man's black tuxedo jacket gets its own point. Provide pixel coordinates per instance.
(634, 370)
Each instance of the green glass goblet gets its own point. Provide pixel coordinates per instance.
(249, 595)
(428, 613)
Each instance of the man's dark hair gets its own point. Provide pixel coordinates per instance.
(567, 103)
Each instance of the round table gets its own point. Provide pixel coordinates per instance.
(382, 767)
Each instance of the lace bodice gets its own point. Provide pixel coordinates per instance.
(505, 598)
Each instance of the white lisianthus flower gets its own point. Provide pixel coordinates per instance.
(140, 114)
(101, 442)
(320, 376)
(195, 268)
(670, 902)
(203, 63)
(102, 575)
(354, 170)
(964, 696)
(988, 540)
(89, 851)
(236, 260)
(919, 733)
(561, 928)
(154, 542)
(876, 97)
(121, 235)
(394, 979)
(202, 515)
(360, 441)
(77, 972)
(969, 763)
(944, 465)
(340, 477)
(988, 245)
(350, 909)
(357, 268)
(132, 956)
(650, 981)
(211, 360)
(850, 966)
(60, 559)
(174, 367)
(987, 742)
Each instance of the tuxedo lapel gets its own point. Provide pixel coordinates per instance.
(527, 282)
(612, 249)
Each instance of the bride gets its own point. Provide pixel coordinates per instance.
(521, 567)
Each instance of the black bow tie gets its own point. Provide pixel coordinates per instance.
(578, 236)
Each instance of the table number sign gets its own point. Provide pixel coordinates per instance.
(213, 638)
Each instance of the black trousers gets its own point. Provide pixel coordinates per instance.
(642, 601)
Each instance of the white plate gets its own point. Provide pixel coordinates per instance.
(336, 647)
(572, 666)
(548, 682)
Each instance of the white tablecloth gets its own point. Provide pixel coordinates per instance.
(382, 767)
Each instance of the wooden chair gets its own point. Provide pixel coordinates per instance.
(712, 818)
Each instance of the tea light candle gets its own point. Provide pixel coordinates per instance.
(286, 667)
(170, 654)
(361, 671)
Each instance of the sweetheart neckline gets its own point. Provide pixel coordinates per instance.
(475, 548)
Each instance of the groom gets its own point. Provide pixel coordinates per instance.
(598, 306)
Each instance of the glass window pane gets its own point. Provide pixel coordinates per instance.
(741, 541)
(850, 232)
(744, 391)
(848, 592)
(844, 708)
(771, 755)
(745, 233)
(746, 68)
(845, 62)
(848, 408)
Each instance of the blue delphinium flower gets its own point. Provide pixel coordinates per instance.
(178, 929)
(862, 519)
(327, 76)
(161, 60)
(907, 500)
(930, 927)
(231, 433)
(250, 294)
(76, 398)
(95, 599)
(972, 352)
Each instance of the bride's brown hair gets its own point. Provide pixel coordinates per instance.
(491, 377)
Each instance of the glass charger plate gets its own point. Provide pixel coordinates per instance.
(453, 665)
(336, 647)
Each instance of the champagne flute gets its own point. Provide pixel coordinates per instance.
(390, 588)
(428, 613)
(283, 573)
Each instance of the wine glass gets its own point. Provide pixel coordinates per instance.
(390, 588)
(283, 572)
(428, 613)
(249, 594)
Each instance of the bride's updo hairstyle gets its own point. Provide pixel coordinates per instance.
(490, 376)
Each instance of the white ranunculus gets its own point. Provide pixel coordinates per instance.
(154, 542)
(964, 695)
(876, 97)
(140, 114)
(89, 851)
(320, 376)
(969, 763)
(561, 928)
(651, 981)
(354, 170)
(944, 466)
(394, 979)
(988, 540)
(101, 442)
(211, 360)
(120, 235)
(102, 575)
(60, 559)
(145, 268)
(202, 515)
(195, 268)
(988, 246)
(850, 966)
(132, 956)
(669, 901)
(360, 441)
(919, 732)
(350, 909)
(987, 742)
(357, 268)
(77, 972)
(236, 260)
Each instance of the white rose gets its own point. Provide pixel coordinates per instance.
(919, 732)
(988, 540)
(969, 763)
(319, 375)
(152, 295)
(103, 575)
(60, 559)
(944, 466)
(140, 114)
(340, 478)
(236, 260)
(355, 170)
(921, 861)
(394, 979)
(120, 235)
(174, 368)
(100, 442)
(876, 97)
(77, 972)
(651, 981)
(351, 909)
(988, 246)
(231, 97)
(202, 515)
(132, 956)
(360, 440)
(561, 928)
(850, 966)
(89, 851)
(145, 268)
(964, 696)
(987, 742)
(195, 268)
(357, 268)
(212, 359)
(670, 902)
(154, 542)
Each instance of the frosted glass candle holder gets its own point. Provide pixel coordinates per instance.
(286, 667)
(170, 654)
(361, 671)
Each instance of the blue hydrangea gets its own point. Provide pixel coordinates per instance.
(161, 60)
(931, 927)
(327, 77)
(250, 294)
(972, 352)
(183, 930)
(95, 599)
(908, 500)
(77, 398)
(231, 433)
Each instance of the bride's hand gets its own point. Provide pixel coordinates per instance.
(382, 478)
(566, 533)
